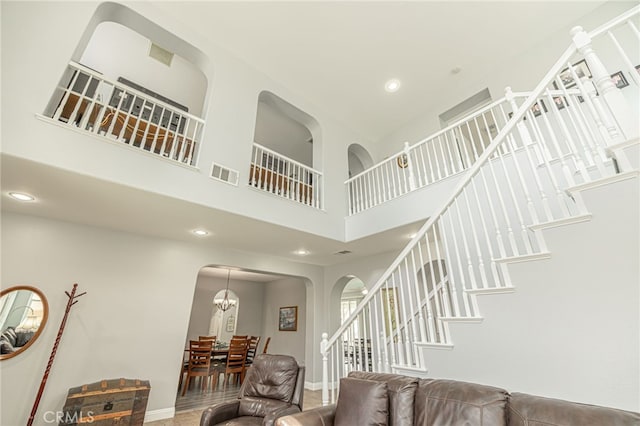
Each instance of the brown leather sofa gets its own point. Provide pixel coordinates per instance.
(273, 387)
(403, 401)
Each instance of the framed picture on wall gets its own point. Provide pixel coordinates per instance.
(619, 80)
(581, 69)
(231, 324)
(288, 318)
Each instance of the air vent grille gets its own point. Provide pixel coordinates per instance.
(224, 174)
(160, 54)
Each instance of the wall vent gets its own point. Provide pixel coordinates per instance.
(160, 54)
(343, 252)
(224, 174)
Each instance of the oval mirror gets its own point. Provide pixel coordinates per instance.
(23, 313)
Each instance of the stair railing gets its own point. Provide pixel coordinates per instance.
(442, 155)
(558, 136)
(446, 154)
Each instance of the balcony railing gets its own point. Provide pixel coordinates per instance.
(274, 173)
(118, 112)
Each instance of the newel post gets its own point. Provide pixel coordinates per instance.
(325, 369)
(612, 96)
(409, 165)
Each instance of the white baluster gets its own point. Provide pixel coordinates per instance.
(612, 96)
(325, 369)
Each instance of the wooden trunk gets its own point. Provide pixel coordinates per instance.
(108, 402)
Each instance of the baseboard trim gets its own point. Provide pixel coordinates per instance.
(313, 386)
(161, 414)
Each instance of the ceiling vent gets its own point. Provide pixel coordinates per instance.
(343, 252)
(224, 174)
(160, 54)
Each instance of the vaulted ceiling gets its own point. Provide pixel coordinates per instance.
(339, 54)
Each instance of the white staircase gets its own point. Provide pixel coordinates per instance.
(520, 226)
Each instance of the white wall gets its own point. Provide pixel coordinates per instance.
(282, 293)
(282, 134)
(571, 329)
(133, 320)
(117, 51)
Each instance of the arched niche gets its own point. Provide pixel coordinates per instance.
(348, 287)
(287, 130)
(359, 159)
(117, 43)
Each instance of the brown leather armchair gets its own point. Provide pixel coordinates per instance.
(273, 387)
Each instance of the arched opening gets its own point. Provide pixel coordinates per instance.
(359, 159)
(132, 81)
(352, 294)
(259, 297)
(279, 128)
(286, 159)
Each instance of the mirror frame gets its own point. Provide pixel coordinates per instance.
(45, 316)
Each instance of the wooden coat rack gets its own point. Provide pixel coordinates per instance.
(72, 301)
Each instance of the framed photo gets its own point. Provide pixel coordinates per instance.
(538, 108)
(560, 102)
(619, 80)
(581, 69)
(230, 324)
(288, 318)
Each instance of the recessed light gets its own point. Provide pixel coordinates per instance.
(364, 291)
(301, 252)
(200, 232)
(21, 196)
(392, 85)
(412, 236)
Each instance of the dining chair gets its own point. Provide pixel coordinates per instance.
(235, 362)
(266, 345)
(199, 362)
(235, 336)
(252, 348)
(213, 339)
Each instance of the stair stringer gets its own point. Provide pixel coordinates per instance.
(571, 330)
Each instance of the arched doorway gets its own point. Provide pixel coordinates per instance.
(359, 159)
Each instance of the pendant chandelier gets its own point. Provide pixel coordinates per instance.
(225, 304)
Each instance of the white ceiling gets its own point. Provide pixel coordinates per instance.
(339, 54)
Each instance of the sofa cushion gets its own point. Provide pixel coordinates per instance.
(450, 402)
(401, 391)
(530, 410)
(362, 403)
